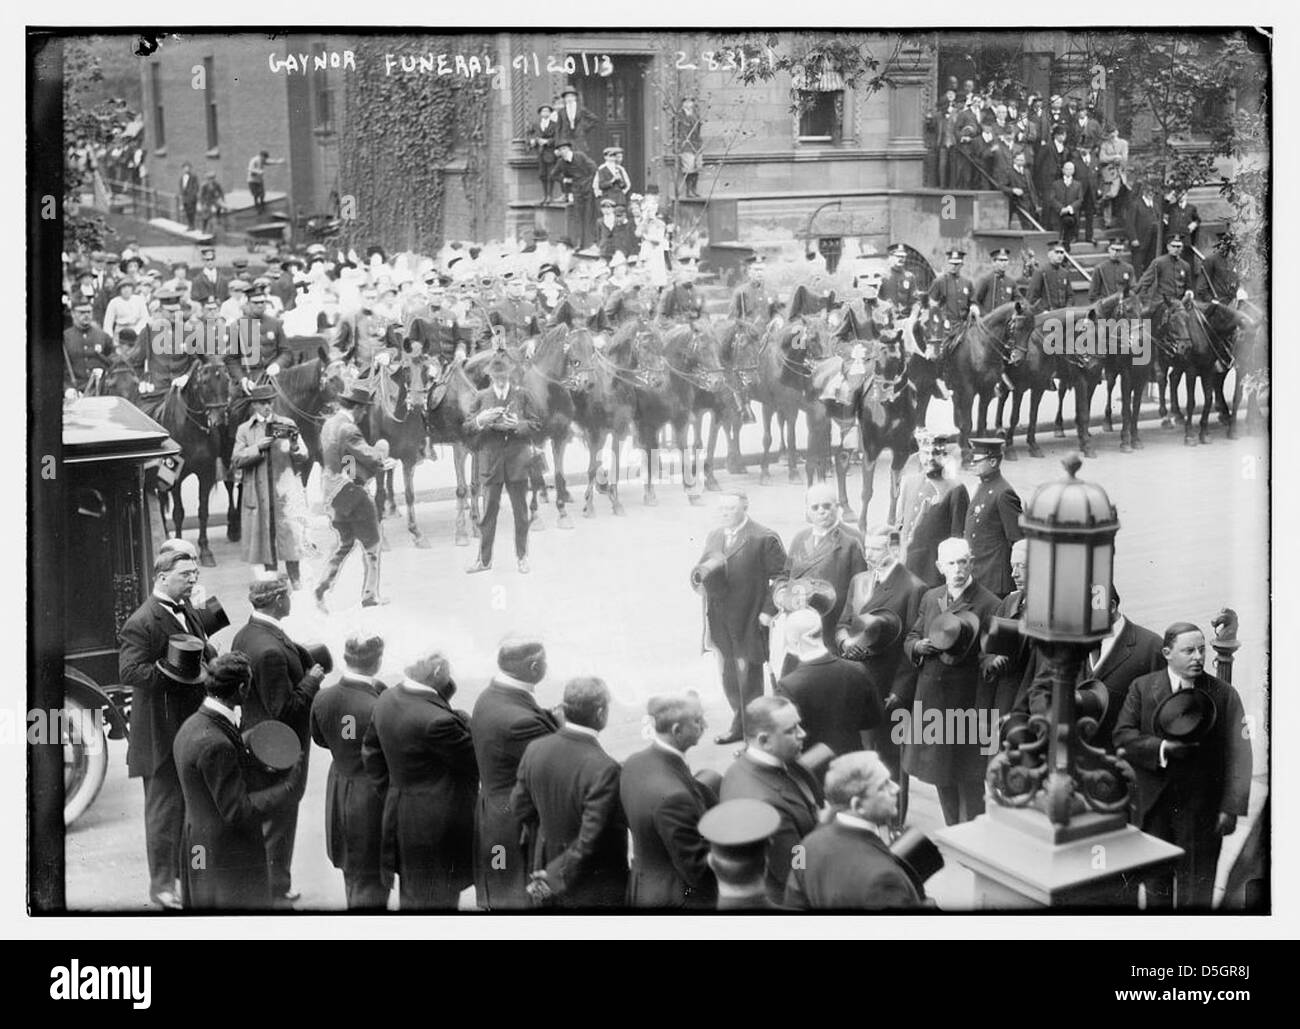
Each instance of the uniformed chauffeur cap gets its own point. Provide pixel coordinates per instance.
(1059, 245)
(739, 829)
(1115, 244)
(898, 250)
(83, 305)
(168, 297)
(1001, 252)
(238, 286)
(956, 256)
(987, 446)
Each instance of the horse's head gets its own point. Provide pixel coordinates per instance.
(891, 368)
(209, 389)
(740, 352)
(1177, 325)
(578, 350)
(646, 352)
(1018, 325)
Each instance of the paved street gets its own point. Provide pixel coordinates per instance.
(611, 598)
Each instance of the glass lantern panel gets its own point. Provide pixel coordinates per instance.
(1099, 602)
(1071, 589)
(1038, 572)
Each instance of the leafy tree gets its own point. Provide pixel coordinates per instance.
(91, 122)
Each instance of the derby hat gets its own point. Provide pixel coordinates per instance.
(1186, 716)
(184, 660)
(274, 746)
(1005, 637)
(793, 594)
(320, 654)
(262, 393)
(212, 616)
(955, 634)
(876, 629)
(918, 855)
(355, 396)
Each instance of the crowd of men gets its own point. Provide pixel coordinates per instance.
(863, 637)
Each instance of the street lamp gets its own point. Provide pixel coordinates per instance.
(1070, 526)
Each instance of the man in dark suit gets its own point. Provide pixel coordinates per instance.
(1190, 793)
(506, 719)
(226, 862)
(502, 419)
(847, 864)
(740, 560)
(1065, 204)
(1018, 185)
(663, 804)
(209, 282)
(933, 504)
(1049, 286)
(887, 585)
(541, 137)
(1085, 172)
(419, 751)
(947, 682)
(1005, 673)
(187, 191)
(1128, 652)
(1181, 219)
(828, 550)
(1048, 165)
(834, 696)
(354, 804)
(567, 801)
(993, 519)
(285, 681)
(768, 770)
(159, 706)
(1142, 224)
(577, 174)
(576, 122)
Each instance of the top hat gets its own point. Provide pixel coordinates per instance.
(1005, 637)
(955, 634)
(320, 654)
(876, 629)
(1091, 699)
(355, 395)
(793, 594)
(184, 660)
(918, 855)
(273, 745)
(212, 617)
(1186, 716)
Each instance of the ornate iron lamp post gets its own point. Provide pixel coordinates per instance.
(1070, 526)
(1057, 833)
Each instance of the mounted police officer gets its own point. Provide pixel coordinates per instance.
(996, 287)
(1049, 288)
(900, 286)
(1114, 275)
(255, 348)
(87, 348)
(752, 301)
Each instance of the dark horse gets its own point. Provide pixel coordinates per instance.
(739, 346)
(923, 342)
(1202, 351)
(194, 415)
(549, 378)
(672, 371)
(603, 389)
(973, 365)
(786, 356)
(398, 416)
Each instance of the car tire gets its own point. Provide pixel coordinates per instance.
(85, 758)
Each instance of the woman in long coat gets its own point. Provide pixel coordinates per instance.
(275, 502)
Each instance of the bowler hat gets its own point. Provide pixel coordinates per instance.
(274, 745)
(568, 91)
(876, 629)
(212, 616)
(184, 660)
(262, 393)
(919, 856)
(1005, 637)
(956, 634)
(321, 655)
(1186, 716)
(355, 396)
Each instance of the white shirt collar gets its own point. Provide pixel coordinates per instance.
(762, 757)
(417, 687)
(229, 714)
(1177, 683)
(510, 680)
(1108, 644)
(655, 741)
(348, 673)
(732, 533)
(258, 616)
(852, 821)
(581, 730)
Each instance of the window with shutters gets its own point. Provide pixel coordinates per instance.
(819, 101)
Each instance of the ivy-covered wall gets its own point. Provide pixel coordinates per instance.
(409, 138)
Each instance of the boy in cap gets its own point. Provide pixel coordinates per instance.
(611, 181)
(541, 137)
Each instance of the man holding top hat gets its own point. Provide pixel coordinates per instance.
(354, 802)
(1185, 734)
(740, 560)
(225, 867)
(944, 645)
(993, 518)
(286, 679)
(166, 679)
(847, 861)
(502, 420)
(269, 452)
(349, 463)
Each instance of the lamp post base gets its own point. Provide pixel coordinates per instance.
(1017, 864)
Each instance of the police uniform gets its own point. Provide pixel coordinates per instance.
(1110, 277)
(899, 286)
(1049, 288)
(954, 293)
(1166, 278)
(86, 350)
(680, 301)
(1217, 280)
(996, 288)
(517, 316)
(992, 526)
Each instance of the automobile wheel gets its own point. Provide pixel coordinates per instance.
(85, 758)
